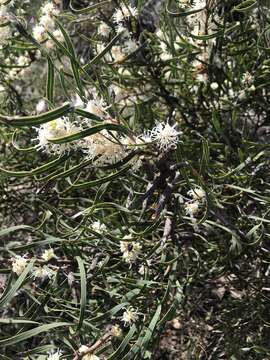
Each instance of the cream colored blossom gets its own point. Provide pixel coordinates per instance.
(55, 356)
(19, 264)
(42, 272)
(88, 356)
(48, 254)
(104, 29)
(117, 53)
(39, 33)
(191, 208)
(47, 21)
(165, 135)
(124, 13)
(197, 194)
(49, 9)
(96, 106)
(130, 316)
(98, 227)
(103, 148)
(130, 249)
(54, 129)
(116, 331)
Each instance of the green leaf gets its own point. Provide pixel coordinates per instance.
(83, 290)
(150, 330)
(39, 170)
(50, 80)
(73, 60)
(87, 114)
(183, 12)
(102, 180)
(88, 8)
(93, 130)
(36, 119)
(15, 228)
(8, 321)
(31, 333)
(245, 6)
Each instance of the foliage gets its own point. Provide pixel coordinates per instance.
(134, 179)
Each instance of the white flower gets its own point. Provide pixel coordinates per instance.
(130, 316)
(124, 13)
(165, 55)
(197, 194)
(214, 86)
(19, 264)
(116, 331)
(49, 9)
(53, 129)
(58, 35)
(88, 356)
(55, 356)
(247, 78)
(130, 46)
(41, 272)
(41, 106)
(185, 3)
(143, 267)
(50, 44)
(117, 54)
(22, 60)
(47, 21)
(202, 78)
(104, 29)
(103, 147)
(191, 208)
(39, 33)
(117, 91)
(98, 227)
(120, 28)
(130, 250)
(165, 135)
(48, 254)
(78, 102)
(198, 4)
(96, 106)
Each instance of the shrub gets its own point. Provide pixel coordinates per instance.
(134, 179)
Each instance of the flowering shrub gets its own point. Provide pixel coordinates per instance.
(134, 179)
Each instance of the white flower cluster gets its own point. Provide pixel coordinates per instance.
(130, 249)
(42, 272)
(103, 148)
(47, 23)
(19, 263)
(55, 356)
(198, 197)
(98, 227)
(54, 129)
(164, 135)
(89, 356)
(127, 45)
(125, 12)
(130, 316)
